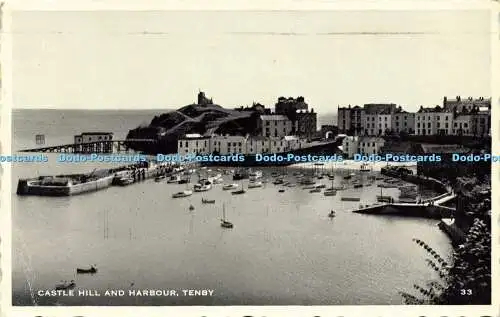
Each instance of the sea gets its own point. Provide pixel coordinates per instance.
(283, 249)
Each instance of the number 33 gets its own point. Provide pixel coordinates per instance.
(465, 292)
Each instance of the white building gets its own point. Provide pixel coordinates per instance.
(481, 123)
(403, 121)
(228, 144)
(193, 143)
(384, 121)
(233, 144)
(275, 125)
(370, 124)
(294, 142)
(462, 125)
(370, 145)
(377, 123)
(257, 144)
(459, 104)
(88, 137)
(433, 121)
(350, 145)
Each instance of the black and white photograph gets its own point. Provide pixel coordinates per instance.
(228, 158)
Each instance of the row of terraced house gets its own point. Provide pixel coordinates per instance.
(457, 116)
(288, 128)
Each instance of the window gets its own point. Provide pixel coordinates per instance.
(267, 123)
(438, 125)
(180, 144)
(429, 125)
(186, 144)
(239, 144)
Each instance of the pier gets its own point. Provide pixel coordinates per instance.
(430, 208)
(105, 146)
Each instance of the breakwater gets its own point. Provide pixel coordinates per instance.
(75, 184)
(428, 182)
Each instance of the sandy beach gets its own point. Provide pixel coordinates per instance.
(354, 165)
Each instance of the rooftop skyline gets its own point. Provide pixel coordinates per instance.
(161, 60)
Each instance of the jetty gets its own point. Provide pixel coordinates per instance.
(75, 184)
(429, 208)
(104, 146)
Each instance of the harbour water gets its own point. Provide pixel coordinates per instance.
(283, 249)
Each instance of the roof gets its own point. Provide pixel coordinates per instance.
(195, 136)
(274, 117)
(443, 148)
(432, 109)
(95, 133)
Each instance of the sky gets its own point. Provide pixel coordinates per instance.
(161, 59)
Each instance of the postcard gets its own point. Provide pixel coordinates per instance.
(248, 162)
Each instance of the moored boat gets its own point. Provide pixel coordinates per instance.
(365, 168)
(65, 285)
(206, 201)
(174, 179)
(229, 186)
(124, 181)
(255, 175)
(278, 181)
(203, 186)
(240, 174)
(255, 184)
(184, 193)
(91, 270)
(160, 178)
(223, 222)
(330, 192)
(239, 192)
(315, 190)
(350, 199)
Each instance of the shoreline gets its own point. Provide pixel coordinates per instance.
(353, 165)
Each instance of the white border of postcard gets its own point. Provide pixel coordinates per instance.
(5, 218)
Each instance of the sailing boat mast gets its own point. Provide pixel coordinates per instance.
(223, 212)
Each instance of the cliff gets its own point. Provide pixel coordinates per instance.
(195, 118)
